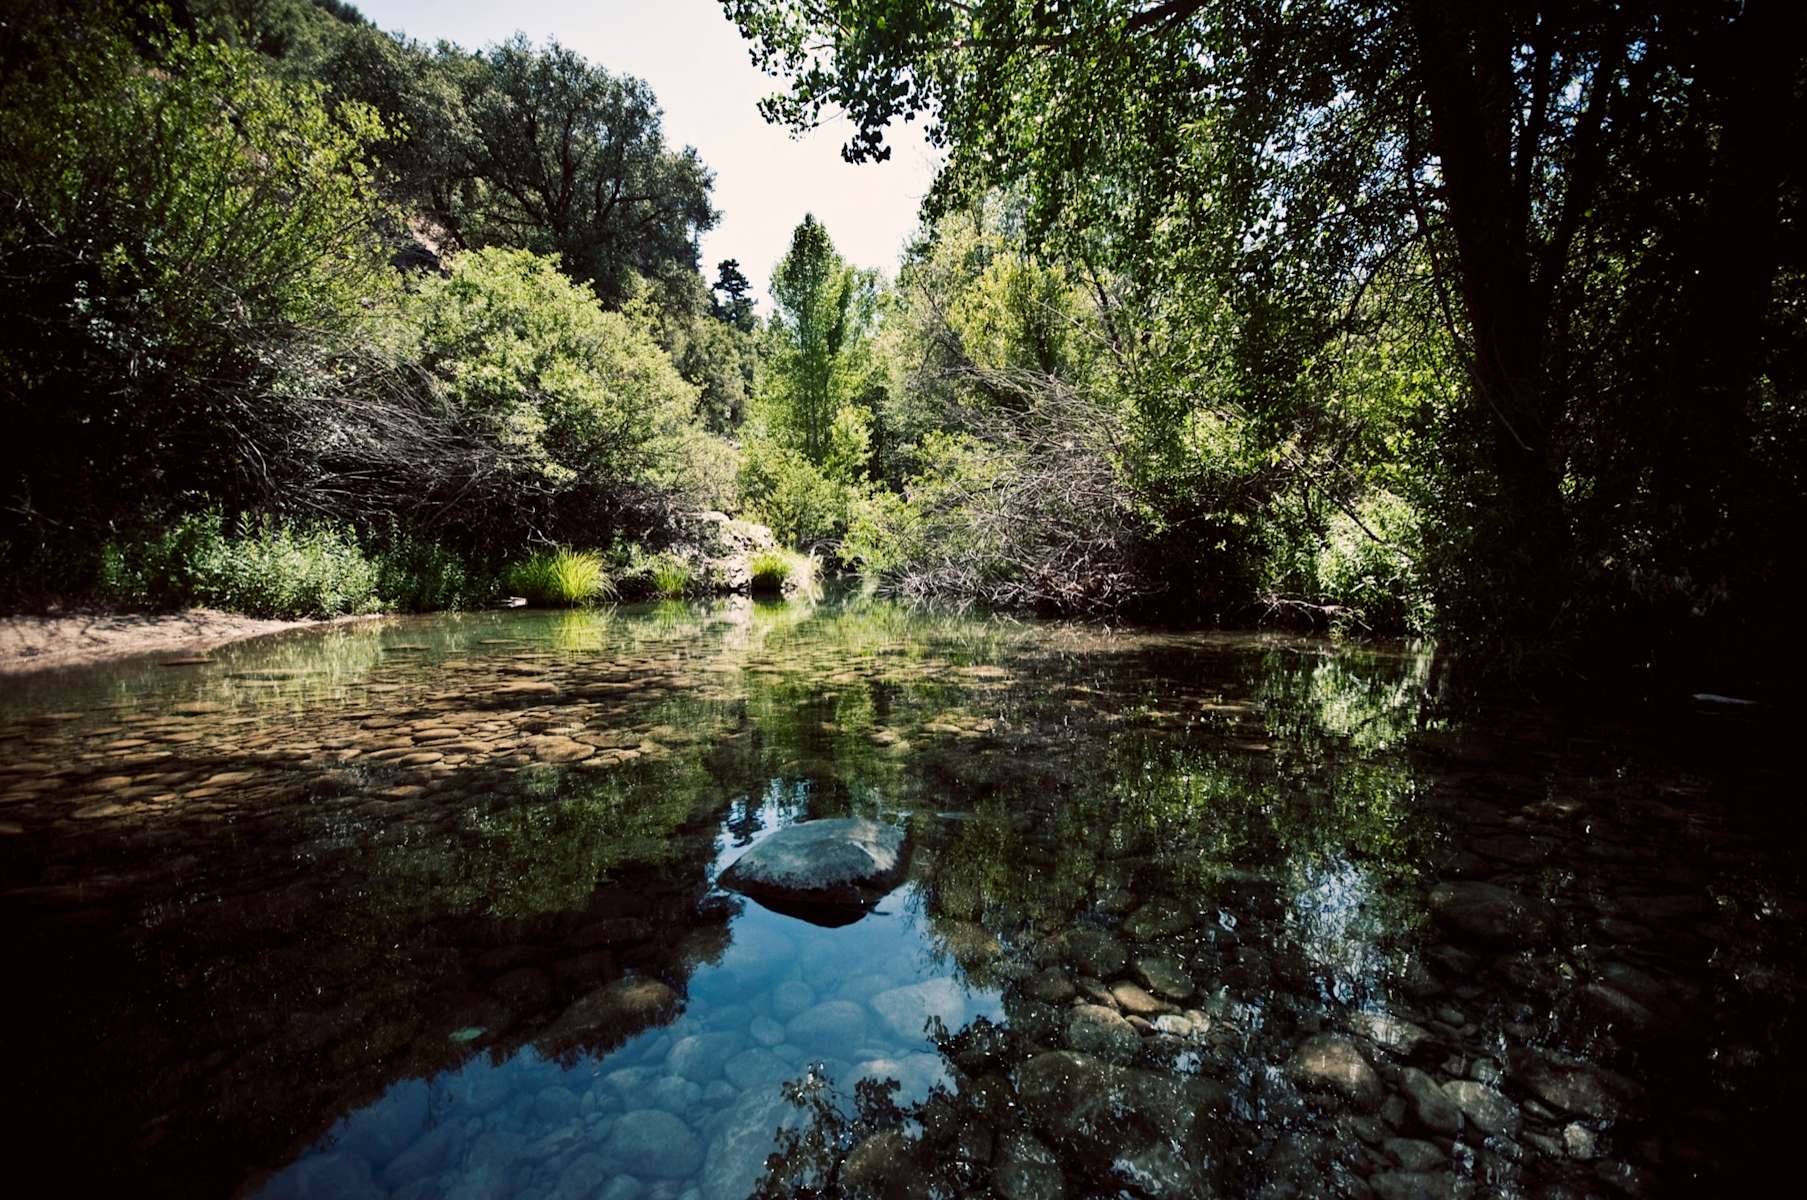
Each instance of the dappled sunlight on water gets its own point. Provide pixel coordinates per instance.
(427, 907)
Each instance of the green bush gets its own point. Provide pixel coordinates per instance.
(1378, 582)
(801, 504)
(561, 578)
(417, 575)
(266, 567)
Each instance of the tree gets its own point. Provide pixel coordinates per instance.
(1586, 198)
(183, 232)
(824, 314)
(733, 296)
(567, 159)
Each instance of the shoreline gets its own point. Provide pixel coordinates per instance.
(49, 642)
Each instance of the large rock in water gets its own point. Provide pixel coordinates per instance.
(830, 872)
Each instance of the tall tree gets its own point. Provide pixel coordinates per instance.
(1587, 196)
(568, 159)
(825, 310)
(733, 296)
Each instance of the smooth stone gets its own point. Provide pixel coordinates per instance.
(1050, 986)
(1095, 1030)
(1161, 1173)
(791, 997)
(1164, 976)
(1104, 1110)
(830, 1021)
(1390, 1033)
(838, 861)
(1578, 1141)
(1096, 952)
(616, 1012)
(1413, 1185)
(556, 1106)
(751, 1068)
(1572, 1085)
(737, 1153)
(1490, 913)
(425, 1157)
(1029, 1181)
(1327, 1062)
(1432, 1109)
(1136, 1002)
(765, 1031)
(700, 1056)
(1156, 919)
(583, 1177)
(907, 1010)
(1492, 1112)
(650, 1142)
(1414, 1154)
(879, 1167)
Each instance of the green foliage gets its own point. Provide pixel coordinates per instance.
(264, 567)
(567, 159)
(801, 503)
(584, 409)
(415, 574)
(183, 230)
(825, 310)
(671, 576)
(1581, 226)
(560, 577)
(777, 571)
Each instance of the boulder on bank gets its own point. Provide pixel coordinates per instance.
(830, 871)
(724, 549)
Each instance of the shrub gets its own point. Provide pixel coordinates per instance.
(561, 578)
(267, 567)
(1377, 581)
(801, 504)
(417, 575)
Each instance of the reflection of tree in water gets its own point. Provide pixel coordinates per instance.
(1280, 883)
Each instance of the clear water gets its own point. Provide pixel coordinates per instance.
(426, 908)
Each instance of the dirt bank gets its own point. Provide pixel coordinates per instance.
(36, 643)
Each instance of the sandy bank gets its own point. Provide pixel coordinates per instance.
(36, 643)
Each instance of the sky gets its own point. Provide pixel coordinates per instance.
(699, 68)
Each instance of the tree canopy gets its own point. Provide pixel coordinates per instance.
(1584, 204)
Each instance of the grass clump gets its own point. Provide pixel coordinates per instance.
(561, 578)
(773, 571)
(671, 576)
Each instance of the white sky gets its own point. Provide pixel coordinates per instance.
(700, 71)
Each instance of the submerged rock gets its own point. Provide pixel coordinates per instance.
(828, 871)
(907, 1009)
(654, 1143)
(1096, 1030)
(1572, 1085)
(1428, 1104)
(1489, 1110)
(613, 1014)
(1327, 1062)
(1111, 1112)
(1490, 913)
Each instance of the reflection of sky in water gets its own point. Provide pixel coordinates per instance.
(694, 1101)
(1337, 924)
